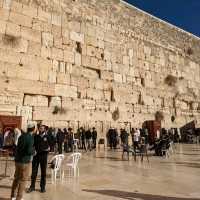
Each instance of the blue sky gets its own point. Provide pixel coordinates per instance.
(182, 13)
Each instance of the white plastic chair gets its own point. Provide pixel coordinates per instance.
(171, 147)
(57, 161)
(72, 164)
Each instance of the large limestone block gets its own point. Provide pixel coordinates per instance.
(52, 77)
(29, 11)
(16, 7)
(107, 75)
(65, 91)
(118, 78)
(30, 34)
(45, 113)
(20, 19)
(27, 73)
(7, 109)
(57, 54)
(2, 27)
(7, 4)
(13, 29)
(35, 100)
(11, 98)
(25, 111)
(10, 57)
(69, 56)
(46, 52)
(80, 82)
(56, 19)
(47, 39)
(88, 104)
(63, 78)
(95, 94)
(89, 73)
(55, 101)
(44, 16)
(28, 87)
(34, 48)
(78, 59)
(4, 14)
(91, 51)
(78, 37)
(72, 104)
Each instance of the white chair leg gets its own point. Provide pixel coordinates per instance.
(74, 171)
(55, 176)
(78, 171)
(52, 176)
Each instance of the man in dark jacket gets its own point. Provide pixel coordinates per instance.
(60, 140)
(94, 137)
(83, 138)
(88, 136)
(124, 136)
(41, 144)
(23, 158)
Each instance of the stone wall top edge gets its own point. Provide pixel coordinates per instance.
(160, 20)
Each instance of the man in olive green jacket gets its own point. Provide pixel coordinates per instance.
(23, 158)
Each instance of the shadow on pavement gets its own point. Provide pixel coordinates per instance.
(133, 196)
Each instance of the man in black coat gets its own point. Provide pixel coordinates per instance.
(88, 136)
(83, 138)
(94, 137)
(60, 140)
(41, 145)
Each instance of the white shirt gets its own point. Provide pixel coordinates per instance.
(137, 136)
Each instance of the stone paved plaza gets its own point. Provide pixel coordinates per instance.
(105, 176)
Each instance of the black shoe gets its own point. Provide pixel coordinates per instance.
(43, 190)
(30, 190)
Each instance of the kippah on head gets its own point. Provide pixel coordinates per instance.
(31, 125)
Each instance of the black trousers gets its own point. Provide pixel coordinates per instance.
(41, 160)
(60, 146)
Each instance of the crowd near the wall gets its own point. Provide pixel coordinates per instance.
(34, 145)
(68, 140)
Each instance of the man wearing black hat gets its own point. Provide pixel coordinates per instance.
(41, 144)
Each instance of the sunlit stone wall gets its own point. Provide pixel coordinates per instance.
(95, 63)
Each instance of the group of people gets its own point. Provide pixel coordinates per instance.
(136, 134)
(67, 140)
(141, 137)
(59, 140)
(33, 147)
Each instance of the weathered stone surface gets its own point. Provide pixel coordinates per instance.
(35, 100)
(65, 91)
(55, 54)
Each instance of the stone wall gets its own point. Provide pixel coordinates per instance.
(99, 62)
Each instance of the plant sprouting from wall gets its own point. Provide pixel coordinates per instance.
(171, 80)
(115, 114)
(58, 110)
(10, 40)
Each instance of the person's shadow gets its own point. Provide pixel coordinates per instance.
(134, 195)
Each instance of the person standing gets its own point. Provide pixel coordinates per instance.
(94, 137)
(88, 136)
(41, 144)
(1, 138)
(83, 137)
(23, 158)
(60, 140)
(136, 139)
(124, 136)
